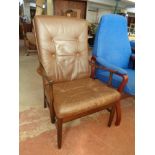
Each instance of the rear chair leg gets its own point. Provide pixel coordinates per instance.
(118, 113)
(45, 101)
(112, 112)
(59, 132)
(27, 54)
(52, 112)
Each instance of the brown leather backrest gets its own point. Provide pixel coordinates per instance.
(62, 47)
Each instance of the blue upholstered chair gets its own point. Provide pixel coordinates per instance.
(113, 51)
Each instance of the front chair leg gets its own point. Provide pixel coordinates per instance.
(112, 112)
(27, 54)
(118, 113)
(59, 132)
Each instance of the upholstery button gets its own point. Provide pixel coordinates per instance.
(78, 53)
(53, 55)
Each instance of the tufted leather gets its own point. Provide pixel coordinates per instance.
(62, 47)
(75, 97)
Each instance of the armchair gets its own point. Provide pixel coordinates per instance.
(69, 92)
(112, 50)
(29, 38)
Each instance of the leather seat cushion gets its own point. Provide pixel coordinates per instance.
(78, 96)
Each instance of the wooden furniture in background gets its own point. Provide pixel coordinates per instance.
(78, 8)
(71, 13)
(131, 20)
(29, 38)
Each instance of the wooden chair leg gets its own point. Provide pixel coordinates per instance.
(45, 101)
(27, 54)
(52, 113)
(118, 113)
(112, 112)
(59, 132)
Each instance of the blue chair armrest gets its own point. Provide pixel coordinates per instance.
(104, 63)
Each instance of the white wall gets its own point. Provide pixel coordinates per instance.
(131, 10)
(26, 8)
(91, 17)
(103, 12)
(95, 11)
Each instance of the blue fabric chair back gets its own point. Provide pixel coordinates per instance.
(111, 40)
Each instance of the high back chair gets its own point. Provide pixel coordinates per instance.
(69, 91)
(112, 50)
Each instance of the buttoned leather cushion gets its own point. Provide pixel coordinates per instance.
(62, 47)
(75, 97)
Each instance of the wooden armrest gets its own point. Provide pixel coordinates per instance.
(41, 72)
(94, 66)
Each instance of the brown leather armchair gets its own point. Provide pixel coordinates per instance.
(69, 91)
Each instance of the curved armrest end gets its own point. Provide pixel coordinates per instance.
(41, 72)
(111, 68)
